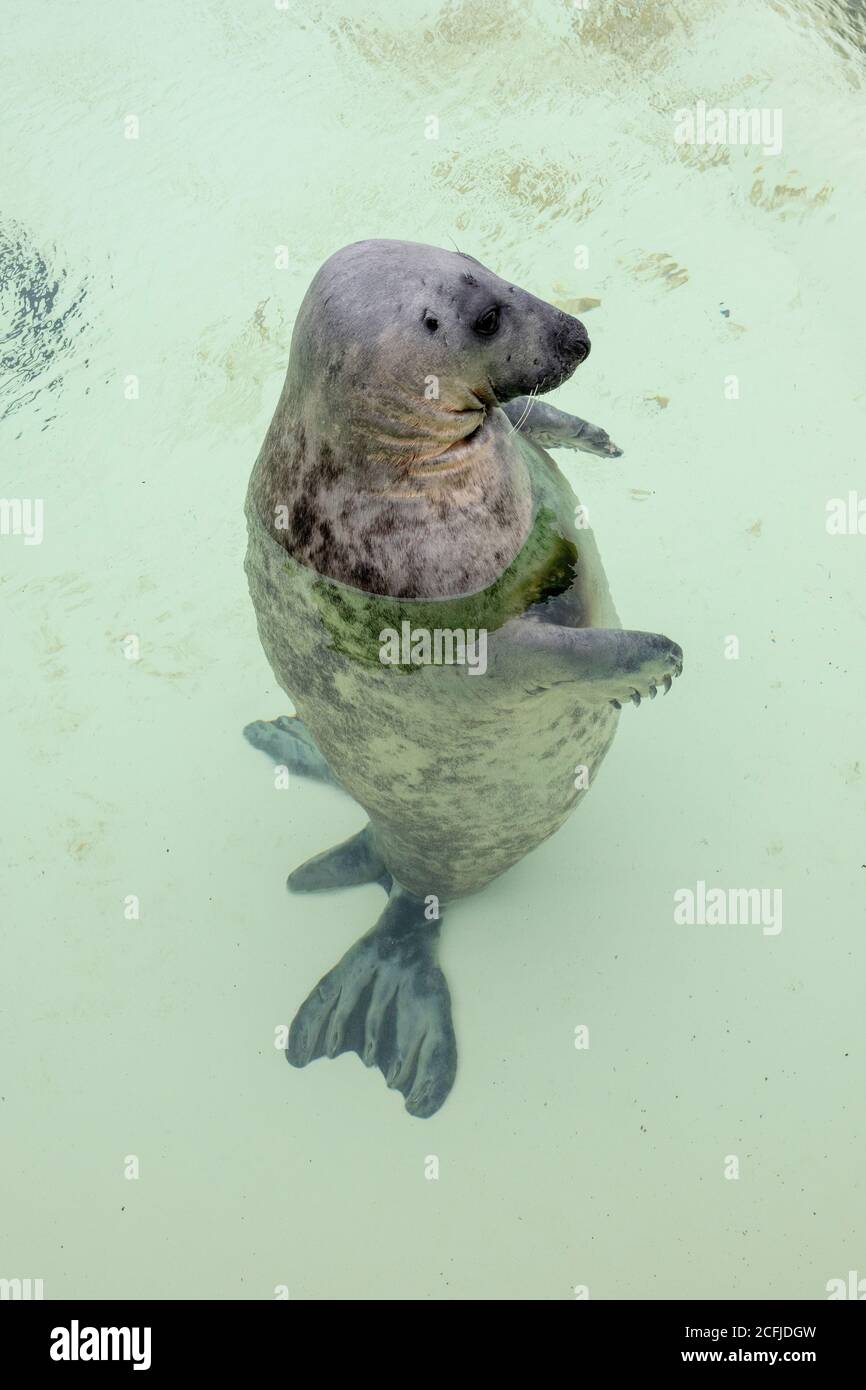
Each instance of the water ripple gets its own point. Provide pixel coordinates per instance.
(42, 324)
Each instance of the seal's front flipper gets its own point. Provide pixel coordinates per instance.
(555, 429)
(388, 1001)
(289, 744)
(607, 663)
(355, 861)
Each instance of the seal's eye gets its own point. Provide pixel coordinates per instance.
(488, 323)
(431, 322)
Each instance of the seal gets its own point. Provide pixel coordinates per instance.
(428, 596)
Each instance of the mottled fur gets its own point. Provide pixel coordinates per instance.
(374, 500)
(387, 456)
(461, 776)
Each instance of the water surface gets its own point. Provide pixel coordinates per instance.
(173, 178)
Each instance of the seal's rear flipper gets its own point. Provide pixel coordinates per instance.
(555, 429)
(388, 1001)
(289, 744)
(608, 664)
(355, 861)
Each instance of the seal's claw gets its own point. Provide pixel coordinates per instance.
(648, 661)
(592, 439)
(388, 1001)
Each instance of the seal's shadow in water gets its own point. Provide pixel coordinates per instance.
(375, 509)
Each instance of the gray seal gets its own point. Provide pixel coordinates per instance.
(428, 595)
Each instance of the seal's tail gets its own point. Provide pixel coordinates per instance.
(388, 1001)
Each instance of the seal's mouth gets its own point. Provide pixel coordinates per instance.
(466, 441)
(457, 452)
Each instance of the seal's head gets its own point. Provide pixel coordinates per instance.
(400, 350)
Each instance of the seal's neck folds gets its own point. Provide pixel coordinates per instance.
(431, 508)
(383, 437)
(388, 465)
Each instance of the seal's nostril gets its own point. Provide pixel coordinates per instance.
(571, 342)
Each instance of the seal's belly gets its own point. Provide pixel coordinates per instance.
(459, 795)
(461, 775)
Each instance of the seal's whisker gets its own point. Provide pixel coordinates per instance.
(529, 404)
(524, 416)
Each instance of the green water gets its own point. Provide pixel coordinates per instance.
(147, 290)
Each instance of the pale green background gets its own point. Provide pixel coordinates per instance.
(305, 128)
